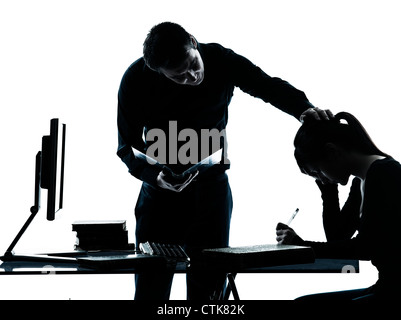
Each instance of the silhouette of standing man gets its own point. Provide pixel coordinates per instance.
(189, 84)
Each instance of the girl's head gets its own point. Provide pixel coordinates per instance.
(323, 147)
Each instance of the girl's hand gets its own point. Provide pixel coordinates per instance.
(285, 235)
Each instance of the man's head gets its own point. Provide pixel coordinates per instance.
(172, 51)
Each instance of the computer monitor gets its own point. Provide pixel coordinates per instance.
(49, 174)
(52, 167)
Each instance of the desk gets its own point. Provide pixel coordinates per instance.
(46, 268)
(72, 266)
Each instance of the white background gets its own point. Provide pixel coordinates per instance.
(65, 59)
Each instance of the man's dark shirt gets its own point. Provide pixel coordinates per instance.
(148, 100)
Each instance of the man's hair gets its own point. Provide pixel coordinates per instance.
(166, 46)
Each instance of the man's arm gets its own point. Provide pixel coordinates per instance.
(130, 131)
(281, 94)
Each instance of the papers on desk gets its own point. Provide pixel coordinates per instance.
(115, 261)
(264, 255)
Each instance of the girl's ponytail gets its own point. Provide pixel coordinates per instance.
(363, 141)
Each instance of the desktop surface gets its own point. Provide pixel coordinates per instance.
(254, 259)
(43, 267)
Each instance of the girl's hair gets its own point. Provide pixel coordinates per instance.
(313, 135)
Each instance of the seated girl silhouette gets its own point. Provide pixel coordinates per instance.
(331, 152)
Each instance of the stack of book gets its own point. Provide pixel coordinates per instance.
(100, 235)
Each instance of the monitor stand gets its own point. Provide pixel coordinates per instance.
(9, 254)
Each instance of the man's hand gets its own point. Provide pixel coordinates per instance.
(317, 114)
(285, 235)
(166, 181)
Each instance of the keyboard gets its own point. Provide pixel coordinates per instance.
(169, 251)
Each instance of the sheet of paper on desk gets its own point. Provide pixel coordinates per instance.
(259, 255)
(244, 250)
(201, 166)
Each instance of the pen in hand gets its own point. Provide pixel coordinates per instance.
(292, 216)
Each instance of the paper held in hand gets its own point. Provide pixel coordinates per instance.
(201, 166)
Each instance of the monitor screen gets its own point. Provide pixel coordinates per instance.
(52, 168)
